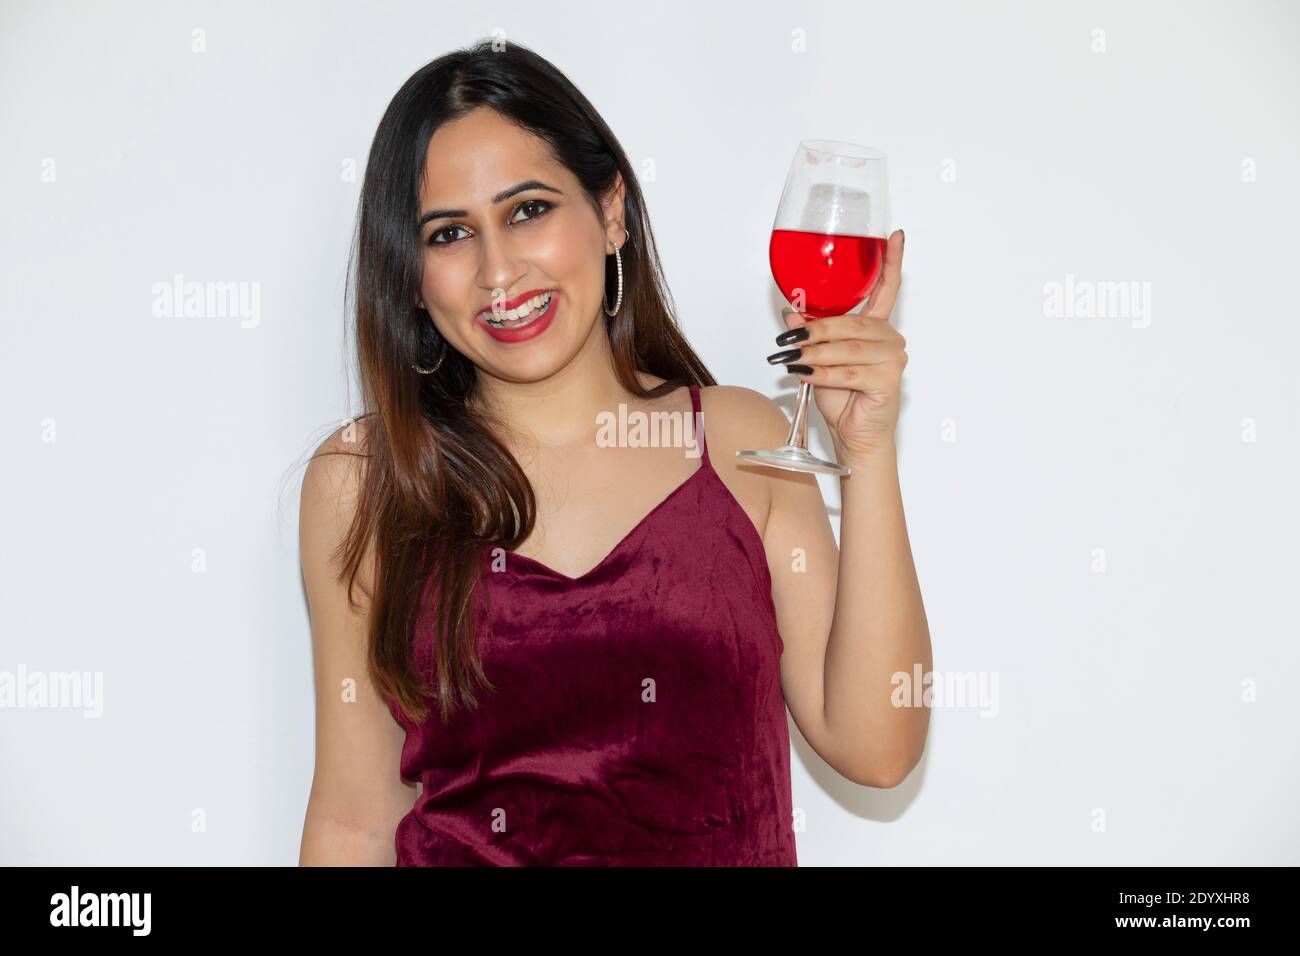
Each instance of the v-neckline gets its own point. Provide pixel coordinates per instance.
(613, 552)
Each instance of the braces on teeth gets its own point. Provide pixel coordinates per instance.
(514, 317)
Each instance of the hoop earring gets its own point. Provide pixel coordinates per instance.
(442, 354)
(618, 261)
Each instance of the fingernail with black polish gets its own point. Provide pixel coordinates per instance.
(799, 369)
(780, 358)
(794, 335)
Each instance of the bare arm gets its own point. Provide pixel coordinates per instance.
(880, 626)
(357, 793)
(801, 554)
(857, 620)
(844, 643)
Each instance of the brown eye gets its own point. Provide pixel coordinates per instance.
(433, 237)
(541, 205)
(537, 208)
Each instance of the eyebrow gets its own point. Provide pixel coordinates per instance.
(498, 198)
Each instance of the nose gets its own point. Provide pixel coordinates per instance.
(500, 266)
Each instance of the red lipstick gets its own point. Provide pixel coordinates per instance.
(538, 324)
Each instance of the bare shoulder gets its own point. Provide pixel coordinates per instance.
(735, 418)
(336, 464)
(331, 486)
(748, 414)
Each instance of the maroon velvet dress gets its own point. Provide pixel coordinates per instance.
(639, 719)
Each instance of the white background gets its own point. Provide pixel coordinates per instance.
(1145, 712)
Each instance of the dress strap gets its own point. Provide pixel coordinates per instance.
(698, 424)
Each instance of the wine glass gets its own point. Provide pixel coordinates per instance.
(827, 249)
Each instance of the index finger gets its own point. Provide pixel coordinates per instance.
(882, 298)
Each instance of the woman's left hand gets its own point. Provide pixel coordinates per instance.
(857, 363)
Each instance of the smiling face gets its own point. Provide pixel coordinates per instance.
(489, 245)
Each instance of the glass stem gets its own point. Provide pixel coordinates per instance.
(799, 426)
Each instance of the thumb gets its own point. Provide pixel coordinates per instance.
(793, 319)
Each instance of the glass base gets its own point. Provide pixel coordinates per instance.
(792, 458)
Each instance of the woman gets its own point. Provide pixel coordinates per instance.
(583, 649)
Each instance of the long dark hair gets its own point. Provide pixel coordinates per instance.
(437, 488)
